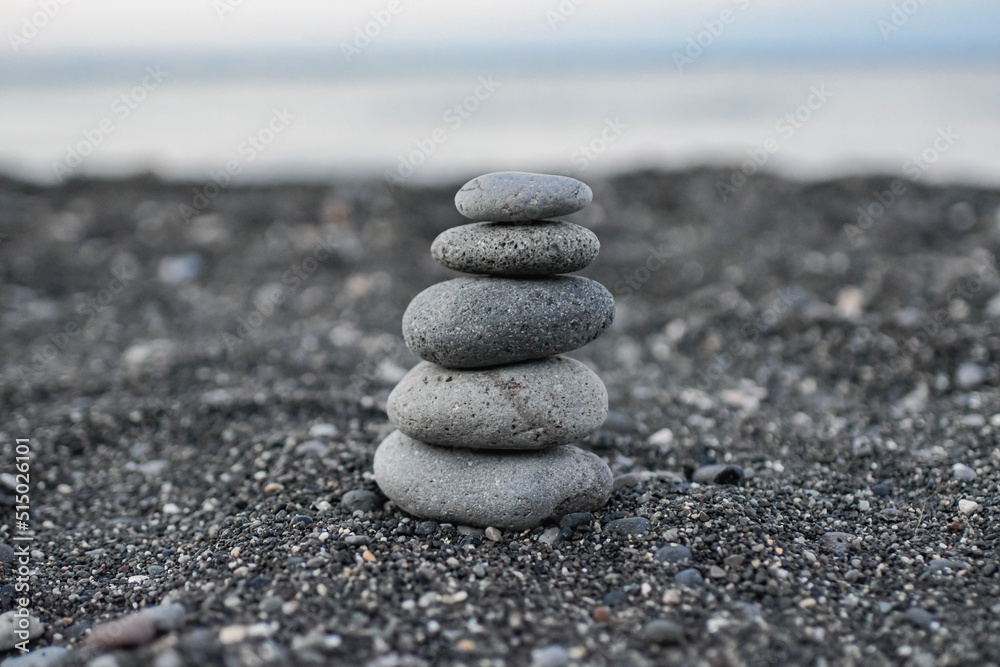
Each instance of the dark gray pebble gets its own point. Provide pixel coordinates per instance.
(635, 525)
(663, 632)
(619, 422)
(361, 499)
(477, 322)
(271, 603)
(76, 630)
(920, 617)
(425, 528)
(569, 522)
(882, 490)
(614, 597)
(690, 577)
(672, 553)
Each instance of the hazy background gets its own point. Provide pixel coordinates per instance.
(562, 74)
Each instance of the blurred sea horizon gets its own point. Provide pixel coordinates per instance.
(430, 116)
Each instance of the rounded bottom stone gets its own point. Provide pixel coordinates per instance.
(516, 490)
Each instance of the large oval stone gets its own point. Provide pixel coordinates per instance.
(476, 322)
(530, 405)
(514, 490)
(519, 196)
(512, 249)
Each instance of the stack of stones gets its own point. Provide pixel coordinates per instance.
(486, 421)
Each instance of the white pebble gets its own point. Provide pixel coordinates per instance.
(323, 430)
(662, 438)
(232, 634)
(967, 506)
(969, 375)
(962, 471)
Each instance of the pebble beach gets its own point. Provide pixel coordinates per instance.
(802, 430)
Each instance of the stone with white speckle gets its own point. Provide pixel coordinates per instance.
(513, 249)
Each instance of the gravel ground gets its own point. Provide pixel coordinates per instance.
(201, 387)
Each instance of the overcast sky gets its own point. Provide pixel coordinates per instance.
(236, 25)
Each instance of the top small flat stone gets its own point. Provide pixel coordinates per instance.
(518, 196)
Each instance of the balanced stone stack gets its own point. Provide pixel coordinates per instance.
(486, 421)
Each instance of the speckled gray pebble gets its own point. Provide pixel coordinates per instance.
(530, 405)
(477, 322)
(516, 196)
(513, 490)
(836, 542)
(512, 249)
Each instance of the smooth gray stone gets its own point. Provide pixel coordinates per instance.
(519, 196)
(513, 490)
(662, 631)
(511, 249)
(361, 499)
(672, 553)
(477, 322)
(690, 577)
(530, 405)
